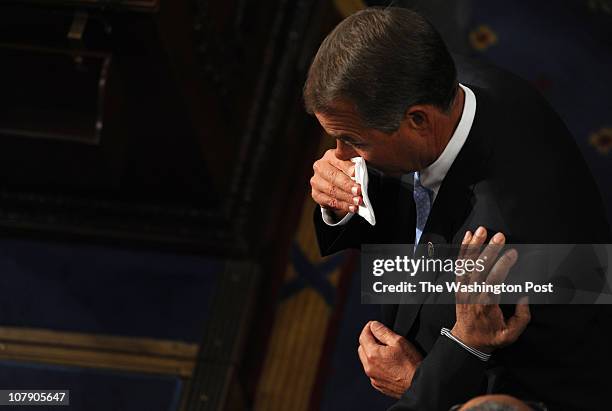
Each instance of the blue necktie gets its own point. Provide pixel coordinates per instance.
(423, 199)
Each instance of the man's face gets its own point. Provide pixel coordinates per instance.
(400, 152)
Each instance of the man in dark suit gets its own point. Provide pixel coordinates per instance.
(485, 151)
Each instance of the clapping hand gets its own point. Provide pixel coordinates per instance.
(480, 322)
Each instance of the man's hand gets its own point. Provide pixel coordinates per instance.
(388, 359)
(332, 186)
(480, 322)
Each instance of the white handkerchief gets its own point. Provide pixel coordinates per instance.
(361, 177)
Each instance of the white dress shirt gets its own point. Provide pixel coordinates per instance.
(432, 176)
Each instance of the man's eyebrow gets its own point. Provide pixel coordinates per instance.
(345, 137)
(334, 134)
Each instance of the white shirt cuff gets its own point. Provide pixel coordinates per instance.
(330, 219)
(481, 355)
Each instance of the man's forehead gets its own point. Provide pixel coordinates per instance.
(340, 119)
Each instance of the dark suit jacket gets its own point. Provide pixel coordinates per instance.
(521, 173)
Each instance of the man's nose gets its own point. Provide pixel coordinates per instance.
(344, 151)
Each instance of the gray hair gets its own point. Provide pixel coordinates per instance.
(382, 60)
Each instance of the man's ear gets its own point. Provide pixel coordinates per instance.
(418, 118)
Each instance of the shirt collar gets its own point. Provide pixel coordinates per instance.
(431, 176)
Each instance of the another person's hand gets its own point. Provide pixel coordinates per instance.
(388, 359)
(332, 186)
(480, 322)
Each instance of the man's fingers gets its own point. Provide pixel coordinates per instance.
(366, 338)
(363, 358)
(333, 174)
(479, 237)
(472, 249)
(332, 186)
(383, 334)
(328, 202)
(367, 360)
(465, 243)
(488, 256)
(518, 322)
(502, 267)
(460, 297)
(347, 166)
(320, 184)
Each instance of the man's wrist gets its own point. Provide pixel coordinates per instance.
(466, 339)
(330, 218)
(339, 214)
(484, 355)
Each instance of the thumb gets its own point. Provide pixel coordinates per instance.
(518, 322)
(383, 333)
